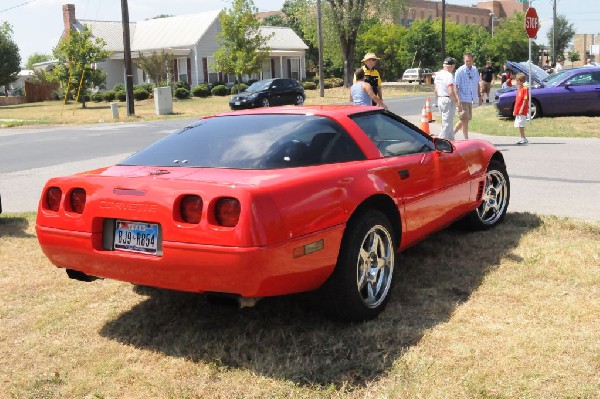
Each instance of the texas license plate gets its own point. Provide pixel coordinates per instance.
(237, 103)
(136, 237)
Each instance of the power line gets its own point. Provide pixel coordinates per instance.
(18, 5)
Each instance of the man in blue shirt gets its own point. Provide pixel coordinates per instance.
(469, 92)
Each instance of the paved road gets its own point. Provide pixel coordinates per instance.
(555, 176)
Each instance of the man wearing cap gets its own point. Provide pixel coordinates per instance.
(372, 76)
(447, 97)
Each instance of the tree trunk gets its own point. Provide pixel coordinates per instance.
(349, 56)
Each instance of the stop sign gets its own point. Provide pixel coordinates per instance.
(532, 23)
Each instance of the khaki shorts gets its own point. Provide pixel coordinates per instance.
(467, 112)
(485, 87)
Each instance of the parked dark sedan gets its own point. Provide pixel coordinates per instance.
(269, 92)
(572, 92)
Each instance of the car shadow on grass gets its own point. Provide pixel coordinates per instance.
(14, 226)
(285, 338)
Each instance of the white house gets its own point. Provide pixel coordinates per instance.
(191, 39)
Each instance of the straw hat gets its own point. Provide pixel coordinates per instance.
(370, 56)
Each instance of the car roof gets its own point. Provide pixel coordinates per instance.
(332, 110)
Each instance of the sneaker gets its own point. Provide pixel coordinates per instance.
(523, 141)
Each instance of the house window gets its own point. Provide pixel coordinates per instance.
(266, 69)
(213, 76)
(182, 75)
(295, 68)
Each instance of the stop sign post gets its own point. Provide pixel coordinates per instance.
(532, 25)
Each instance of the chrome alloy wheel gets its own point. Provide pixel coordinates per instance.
(375, 266)
(495, 198)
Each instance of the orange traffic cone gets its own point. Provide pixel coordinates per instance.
(424, 121)
(429, 113)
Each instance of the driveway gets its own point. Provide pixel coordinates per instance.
(555, 176)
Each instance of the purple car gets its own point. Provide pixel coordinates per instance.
(569, 92)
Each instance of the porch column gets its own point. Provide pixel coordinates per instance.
(280, 66)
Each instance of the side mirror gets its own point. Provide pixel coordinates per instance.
(443, 145)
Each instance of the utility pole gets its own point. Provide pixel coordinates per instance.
(320, 34)
(443, 30)
(554, 57)
(127, 57)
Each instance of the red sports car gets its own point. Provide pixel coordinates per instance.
(271, 202)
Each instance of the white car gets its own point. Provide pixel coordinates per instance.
(416, 75)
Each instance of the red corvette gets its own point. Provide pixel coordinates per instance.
(271, 202)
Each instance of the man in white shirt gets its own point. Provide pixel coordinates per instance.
(559, 65)
(447, 97)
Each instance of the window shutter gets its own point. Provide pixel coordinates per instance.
(189, 71)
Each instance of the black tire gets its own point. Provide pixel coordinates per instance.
(536, 109)
(265, 102)
(495, 199)
(355, 292)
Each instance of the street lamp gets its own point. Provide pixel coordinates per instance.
(493, 17)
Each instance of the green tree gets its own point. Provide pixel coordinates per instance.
(75, 54)
(347, 17)
(304, 13)
(564, 34)
(387, 40)
(10, 59)
(275, 20)
(35, 58)
(573, 56)
(510, 41)
(242, 48)
(156, 65)
(423, 45)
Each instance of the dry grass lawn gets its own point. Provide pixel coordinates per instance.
(55, 112)
(513, 312)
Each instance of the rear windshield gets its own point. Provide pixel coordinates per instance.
(252, 142)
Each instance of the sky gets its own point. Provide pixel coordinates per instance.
(37, 24)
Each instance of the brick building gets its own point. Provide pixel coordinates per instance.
(480, 14)
(588, 46)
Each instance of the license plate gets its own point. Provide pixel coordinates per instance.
(237, 103)
(136, 237)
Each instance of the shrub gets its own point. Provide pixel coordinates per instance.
(121, 95)
(109, 96)
(328, 84)
(119, 87)
(234, 88)
(181, 85)
(201, 91)
(140, 94)
(182, 93)
(309, 85)
(97, 97)
(334, 82)
(148, 87)
(219, 90)
(83, 98)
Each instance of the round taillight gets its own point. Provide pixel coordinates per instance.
(53, 196)
(78, 200)
(191, 209)
(227, 212)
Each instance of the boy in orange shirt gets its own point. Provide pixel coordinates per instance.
(521, 109)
